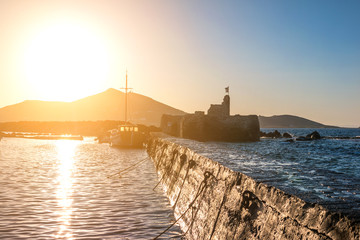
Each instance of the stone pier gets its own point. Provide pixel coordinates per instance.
(213, 202)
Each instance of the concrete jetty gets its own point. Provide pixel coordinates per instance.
(213, 202)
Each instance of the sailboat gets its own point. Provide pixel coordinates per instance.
(127, 135)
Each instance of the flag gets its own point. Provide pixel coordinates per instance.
(227, 89)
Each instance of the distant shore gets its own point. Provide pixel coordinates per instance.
(82, 128)
(42, 136)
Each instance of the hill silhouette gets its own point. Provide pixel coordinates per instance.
(107, 105)
(289, 121)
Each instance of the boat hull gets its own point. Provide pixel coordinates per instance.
(127, 140)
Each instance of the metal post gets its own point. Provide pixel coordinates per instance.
(126, 89)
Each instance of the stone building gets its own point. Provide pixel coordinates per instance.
(217, 125)
(220, 110)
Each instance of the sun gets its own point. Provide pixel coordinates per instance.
(66, 61)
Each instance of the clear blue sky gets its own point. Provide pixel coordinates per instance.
(295, 57)
(278, 57)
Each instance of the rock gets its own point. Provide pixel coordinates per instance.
(302, 138)
(314, 136)
(277, 134)
(286, 135)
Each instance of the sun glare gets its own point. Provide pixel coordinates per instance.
(66, 61)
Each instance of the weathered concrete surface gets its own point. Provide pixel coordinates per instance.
(214, 202)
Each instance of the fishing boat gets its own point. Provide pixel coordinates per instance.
(127, 135)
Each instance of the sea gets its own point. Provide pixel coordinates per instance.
(325, 171)
(68, 189)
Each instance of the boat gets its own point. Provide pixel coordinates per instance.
(127, 135)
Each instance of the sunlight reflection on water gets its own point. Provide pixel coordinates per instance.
(72, 190)
(65, 154)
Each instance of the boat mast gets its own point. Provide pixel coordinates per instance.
(126, 93)
(126, 89)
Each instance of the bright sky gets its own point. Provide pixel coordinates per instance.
(278, 57)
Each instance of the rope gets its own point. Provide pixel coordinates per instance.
(129, 168)
(201, 188)
(182, 185)
(226, 192)
(197, 209)
(159, 182)
(191, 165)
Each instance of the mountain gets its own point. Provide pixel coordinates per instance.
(108, 105)
(289, 121)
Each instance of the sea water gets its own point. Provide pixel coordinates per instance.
(325, 171)
(63, 189)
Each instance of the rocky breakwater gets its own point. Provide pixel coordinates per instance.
(211, 201)
(276, 134)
